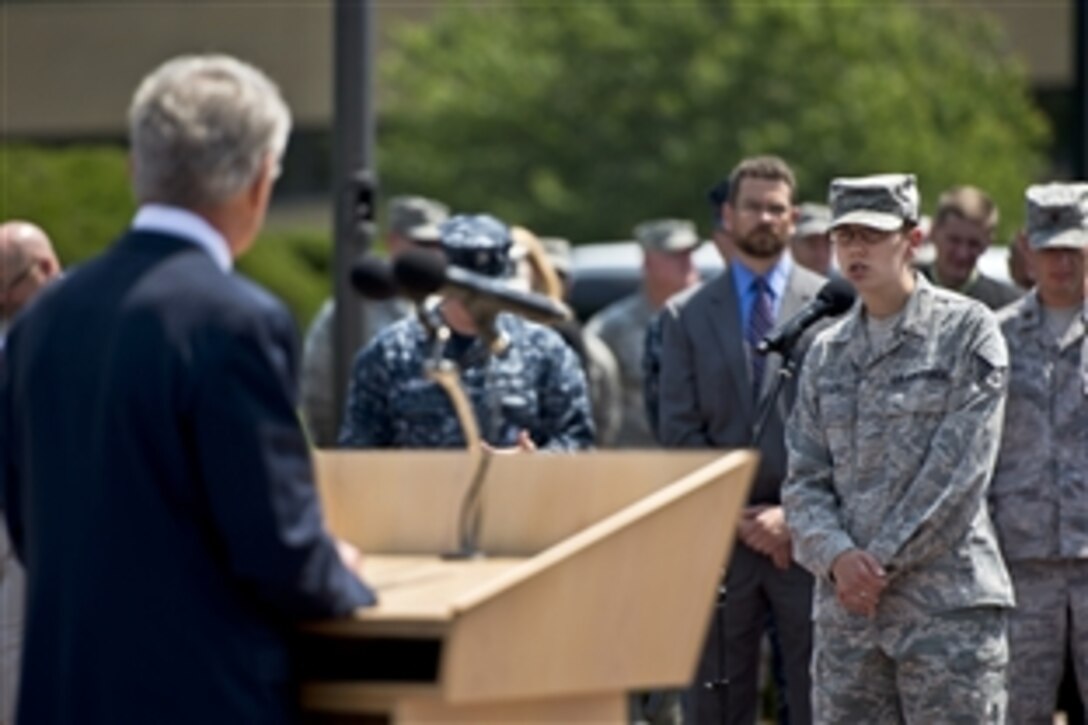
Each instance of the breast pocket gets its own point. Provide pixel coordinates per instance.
(837, 419)
(911, 414)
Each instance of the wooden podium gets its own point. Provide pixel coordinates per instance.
(600, 575)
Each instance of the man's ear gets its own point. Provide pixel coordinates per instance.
(266, 177)
(727, 216)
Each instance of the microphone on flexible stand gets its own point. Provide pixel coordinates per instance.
(834, 298)
(373, 278)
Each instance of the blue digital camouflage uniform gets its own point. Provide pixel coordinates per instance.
(891, 451)
(536, 384)
(1039, 495)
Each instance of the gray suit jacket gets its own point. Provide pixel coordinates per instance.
(705, 375)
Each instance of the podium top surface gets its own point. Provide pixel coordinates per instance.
(418, 594)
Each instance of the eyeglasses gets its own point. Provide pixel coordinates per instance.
(776, 211)
(848, 236)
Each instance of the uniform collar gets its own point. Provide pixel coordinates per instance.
(918, 310)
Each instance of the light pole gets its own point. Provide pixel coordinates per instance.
(354, 179)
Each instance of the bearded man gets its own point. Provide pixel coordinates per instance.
(712, 386)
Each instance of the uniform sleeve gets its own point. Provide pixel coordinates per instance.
(256, 471)
(680, 425)
(951, 485)
(318, 407)
(566, 418)
(368, 422)
(809, 499)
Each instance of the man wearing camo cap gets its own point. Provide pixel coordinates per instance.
(530, 395)
(1039, 495)
(811, 244)
(892, 444)
(667, 268)
(413, 221)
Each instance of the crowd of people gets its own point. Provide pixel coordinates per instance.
(914, 547)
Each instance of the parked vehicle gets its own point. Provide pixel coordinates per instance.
(606, 271)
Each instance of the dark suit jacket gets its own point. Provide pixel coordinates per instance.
(706, 399)
(158, 488)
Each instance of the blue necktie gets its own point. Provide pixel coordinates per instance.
(759, 324)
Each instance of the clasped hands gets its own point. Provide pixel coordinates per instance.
(859, 581)
(764, 529)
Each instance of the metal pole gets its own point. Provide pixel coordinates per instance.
(354, 180)
(1080, 90)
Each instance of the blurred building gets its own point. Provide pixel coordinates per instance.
(68, 69)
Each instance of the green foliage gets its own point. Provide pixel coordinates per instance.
(583, 118)
(80, 196)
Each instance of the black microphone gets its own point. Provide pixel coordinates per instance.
(418, 272)
(834, 298)
(373, 278)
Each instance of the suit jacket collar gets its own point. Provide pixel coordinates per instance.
(184, 224)
(724, 312)
(724, 320)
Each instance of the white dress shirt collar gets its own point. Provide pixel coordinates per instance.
(183, 223)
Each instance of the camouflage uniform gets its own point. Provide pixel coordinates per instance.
(320, 411)
(891, 452)
(622, 326)
(598, 362)
(413, 218)
(1039, 495)
(534, 384)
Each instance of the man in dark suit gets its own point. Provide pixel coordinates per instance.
(712, 387)
(155, 478)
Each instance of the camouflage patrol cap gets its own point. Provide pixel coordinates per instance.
(667, 235)
(417, 218)
(1058, 216)
(558, 251)
(477, 242)
(884, 201)
(812, 219)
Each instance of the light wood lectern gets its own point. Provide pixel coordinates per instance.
(599, 577)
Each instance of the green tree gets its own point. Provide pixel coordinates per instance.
(584, 118)
(80, 195)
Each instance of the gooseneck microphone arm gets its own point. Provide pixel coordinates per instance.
(373, 278)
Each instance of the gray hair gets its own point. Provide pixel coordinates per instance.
(201, 127)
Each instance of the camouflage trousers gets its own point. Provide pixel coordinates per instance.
(925, 669)
(1051, 612)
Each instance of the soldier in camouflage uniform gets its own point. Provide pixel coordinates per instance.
(892, 444)
(667, 247)
(413, 221)
(1039, 495)
(530, 395)
(598, 362)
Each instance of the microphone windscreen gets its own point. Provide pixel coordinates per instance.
(838, 295)
(373, 278)
(419, 272)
